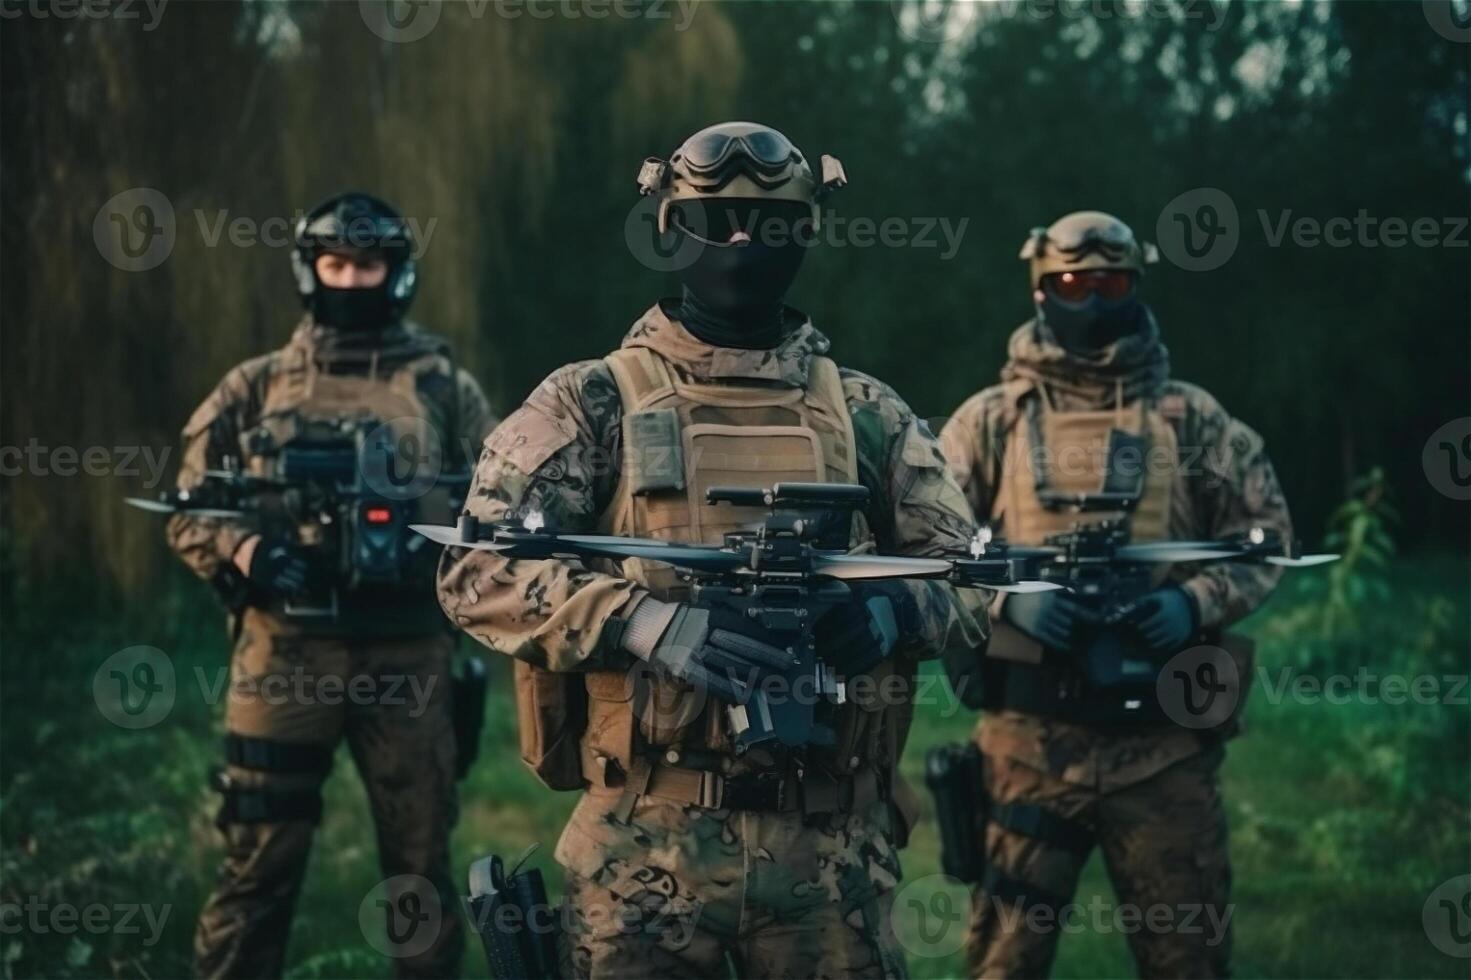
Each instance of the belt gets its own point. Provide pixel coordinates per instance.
(764, 792)
(809, 791)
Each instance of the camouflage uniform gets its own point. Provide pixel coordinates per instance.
(659, 887)
(1149, 798)
(379, 677)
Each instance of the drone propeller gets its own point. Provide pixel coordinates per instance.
(1176, 551)
(1028, 588)
(166, 507)
(868, 567)
(1302, 561)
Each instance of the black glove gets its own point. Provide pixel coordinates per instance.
(856, 636)
(1052, 618)
(728, 655)
(278, 569)
(1165, 619)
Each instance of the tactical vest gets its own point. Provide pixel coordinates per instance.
(1068, 452)
(305, 405)
(682, 436)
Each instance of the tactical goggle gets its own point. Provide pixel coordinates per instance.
(766, 156)
(1075, 287)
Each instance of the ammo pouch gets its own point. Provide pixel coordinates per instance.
(467, 706)
(516, 922)
(955, 774)
(551, 715)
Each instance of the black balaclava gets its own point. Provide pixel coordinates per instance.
(1093, 324)
(733, 295)
(354, 309)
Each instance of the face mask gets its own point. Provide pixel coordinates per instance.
(352, 309)
(1092, 324)
(750, 279)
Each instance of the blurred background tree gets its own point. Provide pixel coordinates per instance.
(514, 143)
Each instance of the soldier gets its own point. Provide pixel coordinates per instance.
(1089, 371)
(682, 854)
(324, 653)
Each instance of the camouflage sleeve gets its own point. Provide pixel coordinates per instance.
(917, 510)
(206, 544)
(1233, 488)
(971, 447)
(474, 416)
(555, 455)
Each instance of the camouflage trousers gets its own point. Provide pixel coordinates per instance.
(1164, 845)
(680, 891)
(390, 699)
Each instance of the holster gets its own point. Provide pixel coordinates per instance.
(955, 774)
(516, 923)
(467, 689)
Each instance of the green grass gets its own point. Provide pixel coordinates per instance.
(1343, 818)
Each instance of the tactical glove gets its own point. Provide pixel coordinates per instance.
(1052, 618)
(857, 636)
(728, 655)
(1165, 619)
(278, 569)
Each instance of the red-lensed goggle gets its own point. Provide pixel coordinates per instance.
(1075, 287)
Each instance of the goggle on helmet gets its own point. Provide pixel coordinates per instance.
(738, 160)
(1085, 240)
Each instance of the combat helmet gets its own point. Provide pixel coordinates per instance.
(738, 160)
(1085, 240)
